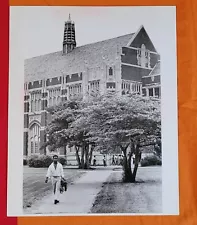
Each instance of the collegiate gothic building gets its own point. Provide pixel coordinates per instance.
(125, 64)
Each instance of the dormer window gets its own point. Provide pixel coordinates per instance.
(110, 71)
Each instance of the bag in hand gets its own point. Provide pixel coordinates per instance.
(64, 184)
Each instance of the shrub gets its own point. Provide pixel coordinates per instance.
(38, 161)
(151, 161)
(62, 160)
(43, 161)
(24, 162)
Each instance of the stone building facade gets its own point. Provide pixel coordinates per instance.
(125, 64)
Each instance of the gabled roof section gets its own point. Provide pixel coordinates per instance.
(141, 37)
(91, 55)
(155, 70)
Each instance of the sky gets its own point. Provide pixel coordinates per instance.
(40, 29)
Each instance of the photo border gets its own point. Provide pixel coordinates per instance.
(170, 205)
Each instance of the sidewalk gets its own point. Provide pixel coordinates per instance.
(79, 197)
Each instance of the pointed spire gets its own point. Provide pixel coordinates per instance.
(69, 17)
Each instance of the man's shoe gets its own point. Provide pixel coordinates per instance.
(56, 201)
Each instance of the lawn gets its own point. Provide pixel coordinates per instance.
(144, 196)
(34, 186)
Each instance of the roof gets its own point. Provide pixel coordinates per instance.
(155, 70)
(90, 55)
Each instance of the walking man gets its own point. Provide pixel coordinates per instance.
(94, 161)
(55, 173)
(113, 160)
(104, 161)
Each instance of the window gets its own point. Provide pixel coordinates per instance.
(36, 101)
(157, 92)
(144, 92)
(94, 86)
(150, 91)
(36, 145)
(58, 100)
(35, 138)
(110, 71)
(54, 97)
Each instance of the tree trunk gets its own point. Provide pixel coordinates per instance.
(129, 165)
(129, 175)
(126, 167)
(87, 157)
(82, 157)
(77, 156)
(90, 155)
(65, 154)
(137, 157)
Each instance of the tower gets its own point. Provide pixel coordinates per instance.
(69, 42)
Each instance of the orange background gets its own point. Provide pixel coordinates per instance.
(187, 115)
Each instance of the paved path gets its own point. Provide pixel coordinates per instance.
(79, 197)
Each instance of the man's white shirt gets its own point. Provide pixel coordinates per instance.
(52, 172)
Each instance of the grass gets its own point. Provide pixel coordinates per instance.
(34, 186)
(144, 196)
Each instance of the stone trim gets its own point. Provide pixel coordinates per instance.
(132, 65)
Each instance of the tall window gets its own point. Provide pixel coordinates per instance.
(54, 96)
(35, 138)
(110, 71)
(157, 92)
(150, 91)
(36, 101)
(75, 90)
(143, 92)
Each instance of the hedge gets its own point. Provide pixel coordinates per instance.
(43, 161)
(151, 161)
(24, 162)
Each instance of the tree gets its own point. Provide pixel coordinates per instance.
(129, 121)
(69, 128)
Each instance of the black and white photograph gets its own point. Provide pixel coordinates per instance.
(93, 111)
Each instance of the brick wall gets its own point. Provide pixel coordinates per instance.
(129, 56)
(148, 80)
(134, 73)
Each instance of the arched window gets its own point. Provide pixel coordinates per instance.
(34, 138)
